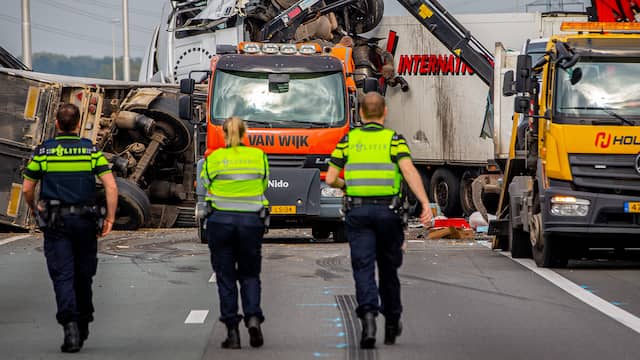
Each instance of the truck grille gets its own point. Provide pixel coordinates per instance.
(606, 173)
(290, 161)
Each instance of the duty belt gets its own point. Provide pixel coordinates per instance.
(54, 211)
(65, 210)
(398, 205)
(374, 200)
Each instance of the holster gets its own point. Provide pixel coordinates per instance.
(50, 217)
(347, 205)
(101, 213)
(265, 215)
(41, 219)
(400, 206)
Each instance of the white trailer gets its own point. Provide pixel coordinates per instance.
(442, 113)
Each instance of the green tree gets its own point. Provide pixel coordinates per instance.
(85, 66)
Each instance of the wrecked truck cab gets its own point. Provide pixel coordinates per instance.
(189, 32)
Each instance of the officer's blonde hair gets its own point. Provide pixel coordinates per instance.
(234, 130)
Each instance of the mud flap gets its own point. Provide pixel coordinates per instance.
(294, 191)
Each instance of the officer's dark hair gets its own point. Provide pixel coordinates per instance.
(68, 117)
(372, 106)
(234, 130)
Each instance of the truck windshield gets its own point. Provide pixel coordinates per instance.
(310, 99)
(600, 91)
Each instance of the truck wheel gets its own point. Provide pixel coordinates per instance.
(319, 233)
(339, 235)
(445, 189)
(366, 15)
(417, 208)
(551, 254)
(547, 249)
(134, 208)
(466, 193)
(519, 242)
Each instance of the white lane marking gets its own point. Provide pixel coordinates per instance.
(196, 317)
(212, 279)
(416, 241)
(624, 317)
(13, 238)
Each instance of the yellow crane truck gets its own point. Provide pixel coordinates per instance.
(572, 179)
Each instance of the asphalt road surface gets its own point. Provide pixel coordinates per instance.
(155, 299)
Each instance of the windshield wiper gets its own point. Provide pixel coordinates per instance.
(606, 110)
(268, 124)
(307, 124)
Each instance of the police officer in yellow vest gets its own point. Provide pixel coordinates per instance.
(67, 167)
(375, 160)
(237, 177)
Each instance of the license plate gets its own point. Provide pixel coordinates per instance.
(632, 207)
(279, 209)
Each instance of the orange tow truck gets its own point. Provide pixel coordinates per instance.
(298, 101)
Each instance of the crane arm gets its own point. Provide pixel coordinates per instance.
(453, 35)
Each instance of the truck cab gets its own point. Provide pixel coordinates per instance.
(575, 185)
(298, 101)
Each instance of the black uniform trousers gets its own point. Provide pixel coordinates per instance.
(235, 243)
(72, 261)
(376, 234)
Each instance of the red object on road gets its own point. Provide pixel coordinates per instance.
(455, 222)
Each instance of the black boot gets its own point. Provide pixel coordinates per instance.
(83, 329)
(368, 340)
(233, 338)
(392, 329)
(255, 333)
(71, 338)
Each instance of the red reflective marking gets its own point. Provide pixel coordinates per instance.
(293, 13)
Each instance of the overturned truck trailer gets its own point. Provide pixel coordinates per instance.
(136, 125)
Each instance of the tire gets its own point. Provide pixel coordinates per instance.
(134, 208)
(519, 243)
(551, 254)
(339, 235)
(416, 208)
(445, 189)
(547, 249)
(466, 194)
(320, 232)
(368, 17)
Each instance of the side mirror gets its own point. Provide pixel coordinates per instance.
(370, 84)
(187, 86)
(508, 84)
(522, 104)
(576, 76)
(523, 74)
(185, 105)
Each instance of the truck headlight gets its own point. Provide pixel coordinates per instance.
(569, 206)
(328, 191)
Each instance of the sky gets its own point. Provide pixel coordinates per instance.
(84, 27)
